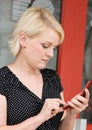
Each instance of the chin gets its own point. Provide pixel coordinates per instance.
(42, 67)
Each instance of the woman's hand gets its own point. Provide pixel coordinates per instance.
(51, 107)
(79, 103)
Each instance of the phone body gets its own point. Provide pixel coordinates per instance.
(82, 93)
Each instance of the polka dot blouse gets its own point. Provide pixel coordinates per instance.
(23, 104)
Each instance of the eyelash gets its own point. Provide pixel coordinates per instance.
(46, 47)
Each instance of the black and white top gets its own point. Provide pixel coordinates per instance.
(23, 104)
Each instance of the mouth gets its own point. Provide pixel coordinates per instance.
(45, 60)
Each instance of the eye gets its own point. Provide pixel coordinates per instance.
(45, 46)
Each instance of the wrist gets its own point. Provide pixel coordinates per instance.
(40, 118)
(72, 113)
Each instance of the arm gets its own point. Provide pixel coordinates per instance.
(32, 123)
(50, 109)
(78, 104)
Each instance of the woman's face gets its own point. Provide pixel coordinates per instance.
(39, 50)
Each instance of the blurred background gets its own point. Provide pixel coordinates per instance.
(10, 12)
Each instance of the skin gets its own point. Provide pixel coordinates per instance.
(41, 47)
(34, 55)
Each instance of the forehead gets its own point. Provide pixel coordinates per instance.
(49, 35)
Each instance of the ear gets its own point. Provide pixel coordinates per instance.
(22, 39)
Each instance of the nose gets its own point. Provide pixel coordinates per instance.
(50, 52)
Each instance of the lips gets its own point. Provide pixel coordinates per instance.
(45, 60)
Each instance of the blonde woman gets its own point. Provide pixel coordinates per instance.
(30, 94)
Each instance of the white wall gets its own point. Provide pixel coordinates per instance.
(6, 25)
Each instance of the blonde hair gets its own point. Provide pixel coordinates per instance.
(32, 22)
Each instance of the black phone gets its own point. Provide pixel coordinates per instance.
(82, 93)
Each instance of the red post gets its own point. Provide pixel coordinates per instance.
(71, 52)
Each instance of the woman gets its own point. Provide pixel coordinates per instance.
(30, 95)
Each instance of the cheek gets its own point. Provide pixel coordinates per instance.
(37, 50)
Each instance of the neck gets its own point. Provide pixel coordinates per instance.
(21, 66)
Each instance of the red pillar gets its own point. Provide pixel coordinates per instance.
(71, 52)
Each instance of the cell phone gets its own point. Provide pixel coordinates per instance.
(82, 93)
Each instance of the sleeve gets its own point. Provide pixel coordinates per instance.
(57, 81)
(2, 86)
(54, 87)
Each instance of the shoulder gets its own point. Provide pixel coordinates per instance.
(3, 71)
(3, 81)
(3, 75)
(49, 73)
(53, 78)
